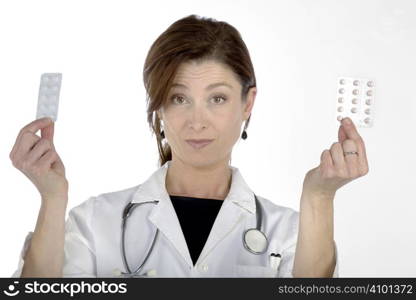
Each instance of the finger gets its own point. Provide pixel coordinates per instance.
(48, 131)
(351, 160)
(351, 132)
(40, 149)
(326, 160)
(350, 129)
(342, 135)
(337, 155)
(28, 141)
(47, 159)
(31, 127)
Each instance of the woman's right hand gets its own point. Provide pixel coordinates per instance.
(37, 158)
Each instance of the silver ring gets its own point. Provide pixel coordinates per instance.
(350, 152)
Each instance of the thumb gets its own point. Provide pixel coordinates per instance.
(47, 132)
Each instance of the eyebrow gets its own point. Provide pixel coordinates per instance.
(209, 87)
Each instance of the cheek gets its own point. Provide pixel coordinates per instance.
(172, 130)
(173, 121)
(231, 130)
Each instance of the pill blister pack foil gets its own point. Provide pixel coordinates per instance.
(48, 99)
(355, 99)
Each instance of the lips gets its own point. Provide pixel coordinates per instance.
(199, 143)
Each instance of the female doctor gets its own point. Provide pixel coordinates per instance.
(195, 216)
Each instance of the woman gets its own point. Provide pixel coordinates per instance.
(194, 210)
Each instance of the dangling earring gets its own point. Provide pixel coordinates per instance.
(244, 135)
(162, 134)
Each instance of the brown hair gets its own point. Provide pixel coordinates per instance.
(191, 38)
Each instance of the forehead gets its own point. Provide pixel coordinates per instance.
(205, 72)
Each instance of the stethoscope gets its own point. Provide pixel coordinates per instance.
(254, 240)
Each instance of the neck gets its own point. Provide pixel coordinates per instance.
(211, 182)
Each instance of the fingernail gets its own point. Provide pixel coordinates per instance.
(347, 121)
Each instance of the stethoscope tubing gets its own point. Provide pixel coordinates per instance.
(259, 220)
(126, 213)
(129, 209)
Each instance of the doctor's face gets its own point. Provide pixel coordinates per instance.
(204, 103)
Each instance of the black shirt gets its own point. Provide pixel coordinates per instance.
(196, 216)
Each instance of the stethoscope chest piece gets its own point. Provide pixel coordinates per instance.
(255, 241)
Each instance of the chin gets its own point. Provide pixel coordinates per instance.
(203, 163)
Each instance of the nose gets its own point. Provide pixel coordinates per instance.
(197, 117)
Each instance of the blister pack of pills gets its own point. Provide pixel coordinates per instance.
(48, 99)
(355, 99)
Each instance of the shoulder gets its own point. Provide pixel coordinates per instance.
(108, 201)
(116, 197)
(283, 212)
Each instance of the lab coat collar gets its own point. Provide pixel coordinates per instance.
(154, 188)
(238, 203)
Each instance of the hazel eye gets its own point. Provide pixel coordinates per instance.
(177, 99)
(174, 97)
(220, 97)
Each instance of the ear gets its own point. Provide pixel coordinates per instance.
(251, 97)
(159, 115)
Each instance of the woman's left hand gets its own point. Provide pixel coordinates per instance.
(335, 169)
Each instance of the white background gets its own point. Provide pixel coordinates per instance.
(298, 48)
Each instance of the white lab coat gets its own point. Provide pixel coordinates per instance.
(93, 235)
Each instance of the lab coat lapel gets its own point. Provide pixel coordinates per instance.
(163, 215)
(237, 205)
